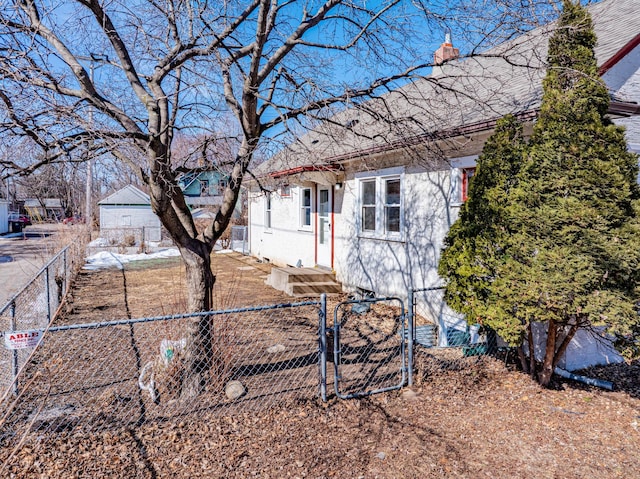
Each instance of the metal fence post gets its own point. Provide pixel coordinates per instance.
(245, 249)
(14, 352)
(48, 287)
(322, 341)
(66, 270)
(410, 338)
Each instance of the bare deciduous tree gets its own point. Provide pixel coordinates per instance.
(174, 66)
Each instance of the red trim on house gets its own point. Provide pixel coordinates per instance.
(302, 169)
(616, 107)
(620, 54)
(331, 163)
(467, 173)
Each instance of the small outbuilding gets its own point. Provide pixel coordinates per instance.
(126, 217)
(44, 209)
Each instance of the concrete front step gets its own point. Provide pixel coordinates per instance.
(305, 289)
(303, 281)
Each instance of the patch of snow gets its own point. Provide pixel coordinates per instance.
(105, 259)
(224, 251)
(99, 242)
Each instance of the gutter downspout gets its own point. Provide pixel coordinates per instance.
(601, 383)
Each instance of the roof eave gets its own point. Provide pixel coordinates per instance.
(333, 163)
(623, 108)
(619, 55)
(302, 169)
(616, 109)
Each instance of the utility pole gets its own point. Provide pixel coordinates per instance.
(100, 60)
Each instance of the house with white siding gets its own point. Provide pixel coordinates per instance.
(372, 193)
(126, 214)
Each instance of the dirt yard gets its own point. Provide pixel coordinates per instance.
(471, 418)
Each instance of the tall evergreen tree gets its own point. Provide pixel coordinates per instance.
(475, 244)
(571, 258)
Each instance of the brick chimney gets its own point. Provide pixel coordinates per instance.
(446, 51)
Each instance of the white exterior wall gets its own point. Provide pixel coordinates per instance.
(286, 242)
(4, 217)
(390, 266)
(587, 348)
(430, 204)
(115, 216)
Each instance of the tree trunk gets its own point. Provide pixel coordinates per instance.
(199, 351)
(573, 329)
(544, 378)
(523, 359)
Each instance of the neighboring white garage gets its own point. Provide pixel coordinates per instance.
(126, 217)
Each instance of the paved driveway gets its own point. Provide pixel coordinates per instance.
(22, 255)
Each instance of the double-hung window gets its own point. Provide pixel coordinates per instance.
(267, 212)
(305, 207)
(381, 205)
(392, 205)
(368, 198)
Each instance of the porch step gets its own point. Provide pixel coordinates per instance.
(303, 281)
(306, 289)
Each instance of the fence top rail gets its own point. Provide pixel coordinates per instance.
(120, 322)
(24, 288)
(433, 288)
(120, 228)
(372, 300)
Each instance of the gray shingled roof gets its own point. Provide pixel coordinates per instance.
(129, 196)
(48, 203)
(505, 79)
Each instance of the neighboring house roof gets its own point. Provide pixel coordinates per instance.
(127, 196)
(460, 97)
(185, 180)
(48, 203)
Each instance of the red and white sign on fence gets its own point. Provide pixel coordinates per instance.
(22, 339)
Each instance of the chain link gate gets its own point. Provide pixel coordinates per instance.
(372, 347)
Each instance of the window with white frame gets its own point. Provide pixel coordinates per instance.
(285, 191)
(392, 205)
(381, 206)
(368, 199)
(305, 207)
(267, 212)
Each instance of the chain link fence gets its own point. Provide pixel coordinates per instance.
(85, 380)
(87, 386)
(369, 347)
(239, 239)
(445, 333)
(132, 236)
(33, 308)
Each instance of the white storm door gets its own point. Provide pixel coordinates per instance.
(324, 236)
